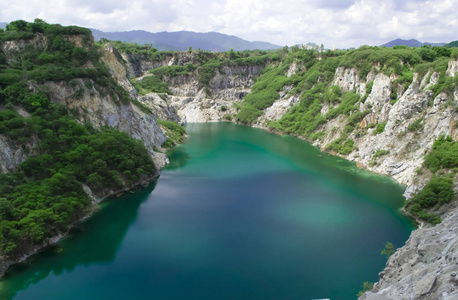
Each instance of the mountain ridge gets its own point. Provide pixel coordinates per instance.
(410, 43)
(182, 40)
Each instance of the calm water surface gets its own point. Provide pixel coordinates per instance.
(238, 214)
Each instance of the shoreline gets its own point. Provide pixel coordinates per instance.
(90, 210)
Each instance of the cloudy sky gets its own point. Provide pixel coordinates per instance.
(335, 23)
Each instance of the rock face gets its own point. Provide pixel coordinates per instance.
(12, 48)
(452, 67)
(103, 110)
(95, 106)
(191, 103)
(348, 80)
(426, 267)
(13, 154)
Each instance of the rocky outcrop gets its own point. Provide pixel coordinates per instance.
(110, 56)
(12, 48)
(13, 153)
(426, 267)
(192, 103)
(233, 83)
(140, 64)
(104, 110)
(452, 67)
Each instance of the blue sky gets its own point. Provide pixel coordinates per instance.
(340, 23)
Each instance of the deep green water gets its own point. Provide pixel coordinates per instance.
(238, 214)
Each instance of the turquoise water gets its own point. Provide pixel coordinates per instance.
(238, 214)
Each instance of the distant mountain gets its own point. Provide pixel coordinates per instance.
(452, 44)
(182, 40)
(3, 25)
(410, 43)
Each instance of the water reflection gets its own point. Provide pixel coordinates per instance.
(178, 158)
(97, 240)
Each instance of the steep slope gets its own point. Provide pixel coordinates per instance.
(383, 109)
(69, 134)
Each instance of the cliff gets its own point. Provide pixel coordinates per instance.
(399, 123)
(59, 93)
(383, 114)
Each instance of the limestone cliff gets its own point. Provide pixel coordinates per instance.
(400, 125)
(89, 102)
(425, 268)
(190, 101)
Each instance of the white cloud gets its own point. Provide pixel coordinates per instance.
(343, 23)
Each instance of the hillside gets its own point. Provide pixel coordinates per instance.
(69, 134)
(452, 44)
(392, 111)
(410, 43)
(182, 40)
(64, 101)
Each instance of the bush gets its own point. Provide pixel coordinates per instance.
(151, 84)
(443, 155)
(388, 250)
(175, 132)
(416, 125)
(380, 128)
(341, 146)
(367, 286)
(345, 107)
(380, 152)
(438, 191)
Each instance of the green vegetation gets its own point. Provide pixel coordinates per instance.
(150, 84)
(45, 195)
(342, 146)
(452, 44)
(345, 107)
(444, 155)
(264, 93)
(381, 152)
(138, 51)
(173, 71)
(388, 250)
(417, 125)
(380, 128)
(439, 190)
(174, 131)
(367, 286)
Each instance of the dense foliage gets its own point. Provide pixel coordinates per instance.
(444, 155)
(439, 190)
(175, 132)
(45, 195)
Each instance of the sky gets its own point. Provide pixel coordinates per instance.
(334, 23)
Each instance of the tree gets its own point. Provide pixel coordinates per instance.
(18, 25)
(388, 251)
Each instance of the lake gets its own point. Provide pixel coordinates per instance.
(238, 214)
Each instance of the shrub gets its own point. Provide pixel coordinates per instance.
(416, 125)
(388, 250)
(380, 152)
(380, 128)
(437, 191)
(175, 132)
(443, 155)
